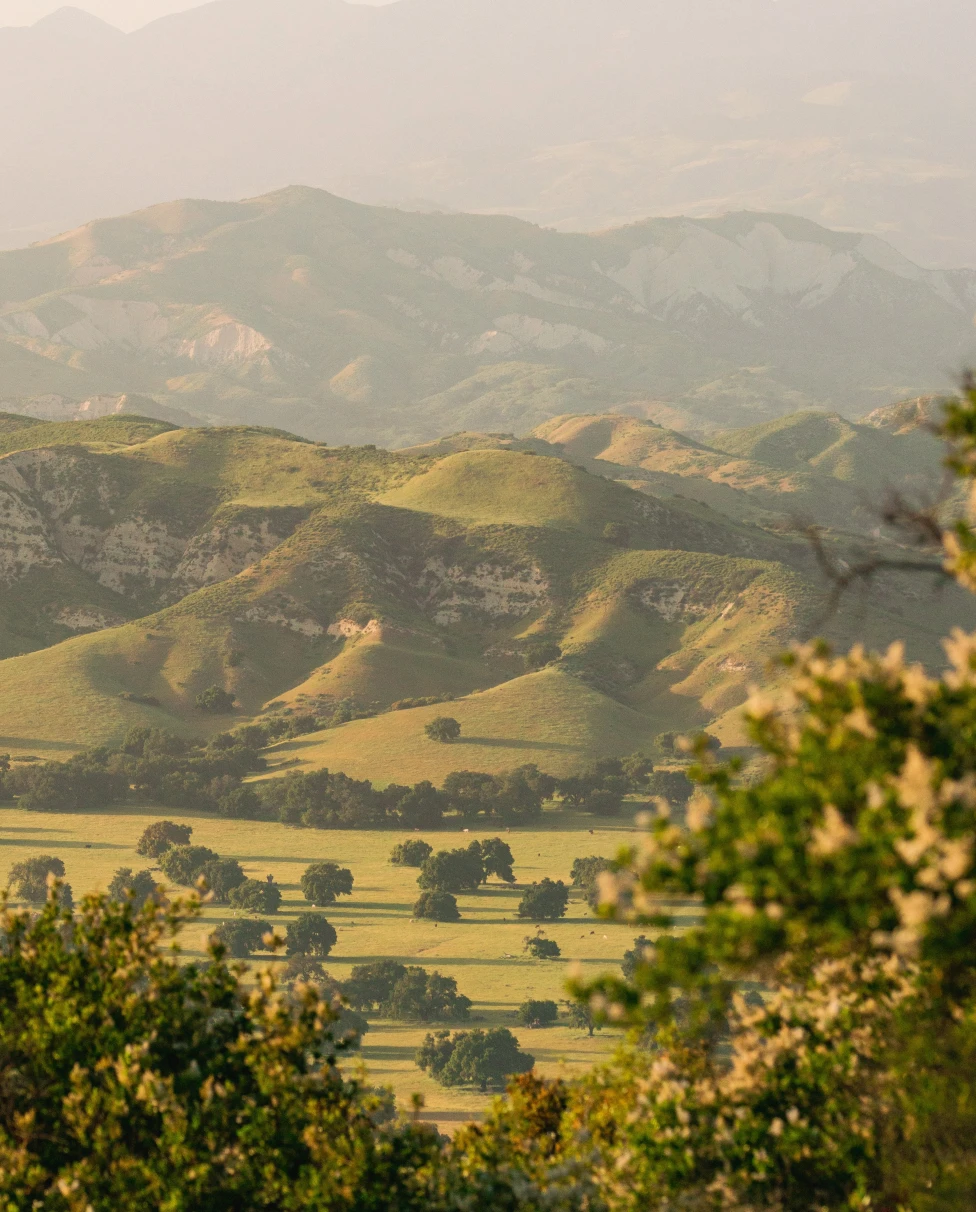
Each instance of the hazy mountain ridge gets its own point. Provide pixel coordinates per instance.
(856, 114)
(357, 323)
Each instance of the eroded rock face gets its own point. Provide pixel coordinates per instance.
(452, 592)
(62, 507)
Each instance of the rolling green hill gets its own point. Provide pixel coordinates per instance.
(141, 564)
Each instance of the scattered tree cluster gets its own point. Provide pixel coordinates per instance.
(448, 872)
(473, 1058)
(603, 787)
(405, 993)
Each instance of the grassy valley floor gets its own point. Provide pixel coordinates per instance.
(483, 951)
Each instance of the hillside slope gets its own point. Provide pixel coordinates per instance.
(355, 323)
(143, 564)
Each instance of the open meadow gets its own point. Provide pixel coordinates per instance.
(483, 951)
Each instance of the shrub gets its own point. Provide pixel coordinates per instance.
(541, 948)
(545, 901)
(140, 886)
(541, 655)
(310, 934)
(183, 864)
(473, 1058)
(242, 937)
(256, 896)
(215, 700)
(29, 877)
(323, 883)
(437, 907)
(617, 533)
(443, 729)
(538, 1013)
(148, 1081)
(411, 853)
(160, 836)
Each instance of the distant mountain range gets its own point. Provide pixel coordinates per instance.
(859, 114)
(351, 323)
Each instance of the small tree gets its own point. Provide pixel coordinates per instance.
(640, 953)
(140, 886)
(474, 1058)
(437, 907)
(452, 871)
(323, 883)
(256, 896)
(310, 934)
(538, 1013)
(496, 858)
(29, 877)
(617, 533)
(541, 948)
(545, 901)
(223, 875)
(443, 729)
(161, 836)
(242, 937)
(215, 701)
(581, 1017)
(585, 875)
(411, 853)
(183, 864)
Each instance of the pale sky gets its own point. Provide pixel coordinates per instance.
(125, 14)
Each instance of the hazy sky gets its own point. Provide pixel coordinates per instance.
(126, 14)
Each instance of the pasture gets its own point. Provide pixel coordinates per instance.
(483, 951)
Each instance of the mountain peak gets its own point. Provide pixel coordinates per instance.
(74, 21)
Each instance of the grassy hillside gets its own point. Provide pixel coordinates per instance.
(142, 564)
(805, 467)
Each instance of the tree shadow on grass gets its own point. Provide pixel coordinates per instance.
(64, 844)
(498, 742)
